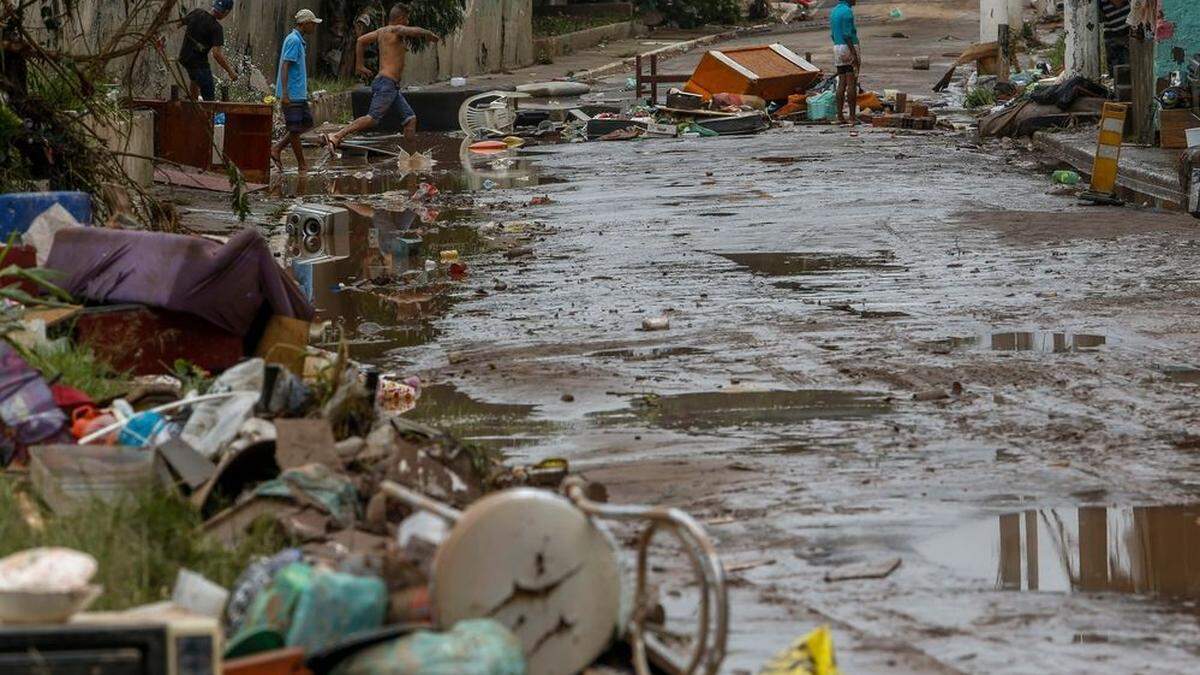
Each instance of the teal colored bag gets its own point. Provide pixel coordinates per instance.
(314, 607)
(472, 647)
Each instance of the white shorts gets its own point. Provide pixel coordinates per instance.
(842, 55)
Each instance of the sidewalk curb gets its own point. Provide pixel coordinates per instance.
(1134, 177)
(680, 48)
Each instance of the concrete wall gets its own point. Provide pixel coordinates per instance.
(1185, 14)
(992, 13)
(497, 34)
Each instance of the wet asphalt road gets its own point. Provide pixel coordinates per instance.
(878, 346)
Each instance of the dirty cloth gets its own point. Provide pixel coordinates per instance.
(1065, 94)
(28, 413)
(472, 647)
(319, 486)
(228, 285)
(1024, 117)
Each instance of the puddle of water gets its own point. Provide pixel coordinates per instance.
(649, 353)
(376, 246)
(1045, 342)
(717, 410)
(495, 426)
(1153, 550)
(799, 263)
(457, 169)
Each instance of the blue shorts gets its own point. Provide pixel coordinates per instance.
(298, 117)
(386, 97)
(203, 77)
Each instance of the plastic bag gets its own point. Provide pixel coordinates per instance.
(821, 106)
(812, 654)
(472, 647)
(215, 423)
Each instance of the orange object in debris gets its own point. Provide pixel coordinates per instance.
(771, 72)
(868, 100)
(489, 146)
(797, 103)
(276, 662)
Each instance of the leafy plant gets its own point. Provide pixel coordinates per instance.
(191, 376)
(440, 16)
(693, 13)
(1058, 54)
(78, 366)
(980, 97)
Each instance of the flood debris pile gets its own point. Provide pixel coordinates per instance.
(742, 91)
(168, 385)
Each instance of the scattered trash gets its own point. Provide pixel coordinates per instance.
(864, 570)
(1066, 177)
(472, 647)
(656, 323)
(46, 585)
(811, 654)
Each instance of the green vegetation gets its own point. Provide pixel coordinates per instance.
(141, 541)
(331, 85)
(980, 97)
(695, 13)
(1058, 54)
(550, 26)
(191, 376)
(79, 367)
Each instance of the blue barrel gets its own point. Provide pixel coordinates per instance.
(18, 210)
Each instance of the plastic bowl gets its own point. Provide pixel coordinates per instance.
(45, 606)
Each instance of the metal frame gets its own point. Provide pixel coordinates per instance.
(654, 79)
(714, 601)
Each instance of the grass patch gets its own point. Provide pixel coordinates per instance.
(550, 26)
(980, 97)
(332, 85)
(141, 542)
(79, 367)
(1058, 53)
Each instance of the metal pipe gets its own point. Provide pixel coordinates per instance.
(420, 501)
(705, 562)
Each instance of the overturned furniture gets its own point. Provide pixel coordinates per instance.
(771, 72)
(544, 565)
(184, 133)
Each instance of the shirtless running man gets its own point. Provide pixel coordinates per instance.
(385, 90)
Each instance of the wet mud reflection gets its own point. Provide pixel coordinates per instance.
(1152, 550)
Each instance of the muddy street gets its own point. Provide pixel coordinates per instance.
(364, 405)
(878, 345)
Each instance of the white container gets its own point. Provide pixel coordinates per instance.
(1193, 137)
(458, 82)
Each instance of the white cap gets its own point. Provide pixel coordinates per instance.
(306, 16)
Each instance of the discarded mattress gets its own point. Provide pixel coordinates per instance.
(1025, 117)
(228, 284)
(771, 72)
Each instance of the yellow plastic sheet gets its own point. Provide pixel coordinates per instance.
(812, 654)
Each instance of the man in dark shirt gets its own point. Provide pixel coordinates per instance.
(204, 34)
(1113, 16)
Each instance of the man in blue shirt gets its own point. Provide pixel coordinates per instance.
(291, 86)
(846, 58)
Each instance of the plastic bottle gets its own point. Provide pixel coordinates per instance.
(1066, 177)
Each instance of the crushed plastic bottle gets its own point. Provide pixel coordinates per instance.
(1066, 177)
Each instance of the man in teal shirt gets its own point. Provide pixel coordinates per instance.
(846, 58)
(291, 86)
